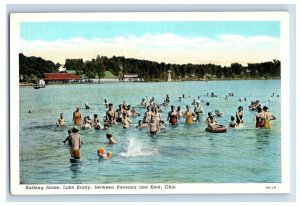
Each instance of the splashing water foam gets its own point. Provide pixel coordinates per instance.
(135, 148)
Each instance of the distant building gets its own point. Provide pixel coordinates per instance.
(51, 78)
(131, 78)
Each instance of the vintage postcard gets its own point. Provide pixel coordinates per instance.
(149, 103)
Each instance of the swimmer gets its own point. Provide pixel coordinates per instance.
(105, 103)
(96, 122)
(165, 103)
(267, 117)
(259, 118)
(120, 113)
(167, 98)
(75, 143)
(128, 111)
(173, 116)
(147, 115)
(101, 152)
(218, 113)
(126, 121)
(144, 103)
(189, 115)
(110, 115)
(110, 138)
(154, 127)
(179, 112)
(239, 115)
(87, 123)
(61, 121)
(208, 118)
(29, 111)
(134, 112)
(87, 106)
(106, 127)
(233, 123)
(68, 139)
(212, 123)
(141, 124)
(77, 117)
(198, 110)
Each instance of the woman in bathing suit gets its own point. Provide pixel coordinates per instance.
(239, 115)
(77, 117)
(173, 116)
(189, 115)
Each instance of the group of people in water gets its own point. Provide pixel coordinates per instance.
(152, 119)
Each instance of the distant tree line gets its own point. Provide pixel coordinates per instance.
(31, 69)
(150, 70)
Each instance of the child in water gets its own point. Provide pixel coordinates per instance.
(101, 152)
(68, 137)
(233, 123)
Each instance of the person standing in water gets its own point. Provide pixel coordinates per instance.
(61, 121)
(110, 115)
(179, 112)
(75, 143)
(189, 115)
(198, 110)
(239, 115)
(126, 121)
(267, 117)
(259, 118)
(77, 117)
(68, 139)
(144, 103)
(153, 126)
(173, 116)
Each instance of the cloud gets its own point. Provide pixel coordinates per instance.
(167, 47)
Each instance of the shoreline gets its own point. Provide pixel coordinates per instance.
(153, 81)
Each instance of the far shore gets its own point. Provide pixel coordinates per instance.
(155, 80)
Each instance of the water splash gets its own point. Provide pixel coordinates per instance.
(135, 148)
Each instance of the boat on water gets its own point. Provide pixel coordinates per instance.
(40, 84)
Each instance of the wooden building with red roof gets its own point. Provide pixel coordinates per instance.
(51, 78)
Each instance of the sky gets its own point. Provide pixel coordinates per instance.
(197, 42)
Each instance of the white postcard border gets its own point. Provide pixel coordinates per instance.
(195, 188)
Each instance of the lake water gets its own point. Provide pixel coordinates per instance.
(180, 154)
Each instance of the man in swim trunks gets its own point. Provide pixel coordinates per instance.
(75, 143)
(126, 121)
(61, 121)
(173, 116)
(153, 126)
(110, 115)
(77, 117)
(119, 113)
